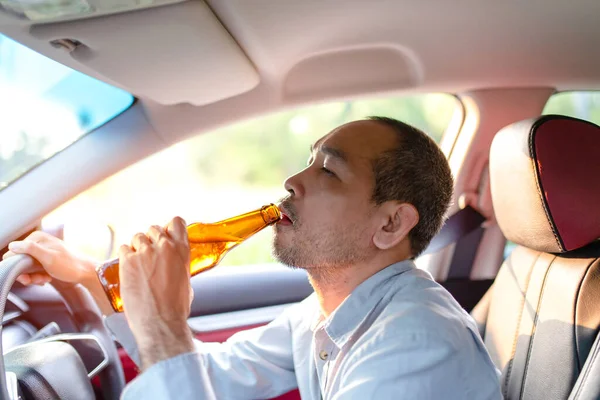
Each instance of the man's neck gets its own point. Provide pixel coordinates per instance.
(333, 285)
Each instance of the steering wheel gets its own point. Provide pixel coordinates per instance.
(89, 321)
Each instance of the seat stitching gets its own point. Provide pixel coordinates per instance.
(535, 323)
(538, 185)
(519, 319)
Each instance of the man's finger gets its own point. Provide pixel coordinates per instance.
(139, 240)
(39, 279)
(39, 236)
(7, 255)
(24, 279)
(124, 250)
(32, 248)
(177, 229)
(156, 233)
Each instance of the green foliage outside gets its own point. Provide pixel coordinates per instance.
(266, 150)
(583, 105)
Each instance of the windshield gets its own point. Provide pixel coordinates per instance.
(46, 107)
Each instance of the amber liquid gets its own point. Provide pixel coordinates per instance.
(206, 253)
(208, 244)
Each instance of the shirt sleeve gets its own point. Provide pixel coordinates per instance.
(411, 366)
(256, 363)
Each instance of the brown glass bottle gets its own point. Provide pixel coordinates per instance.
(208, 244)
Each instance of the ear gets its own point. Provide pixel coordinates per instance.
(397, 221)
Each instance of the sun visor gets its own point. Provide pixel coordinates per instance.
(172, 54)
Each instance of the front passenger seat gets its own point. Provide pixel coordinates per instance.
(542, 314)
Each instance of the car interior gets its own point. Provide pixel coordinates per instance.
(122, 114)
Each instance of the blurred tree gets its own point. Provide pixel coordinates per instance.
(583, 105)
(266, 150)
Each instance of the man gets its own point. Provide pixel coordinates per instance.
(373, 195)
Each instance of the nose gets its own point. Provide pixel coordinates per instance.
(294, 185)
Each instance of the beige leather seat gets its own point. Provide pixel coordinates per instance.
(542, 314)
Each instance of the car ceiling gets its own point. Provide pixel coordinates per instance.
(199, 64)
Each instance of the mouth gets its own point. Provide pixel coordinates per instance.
(285, 220)
(288, 214)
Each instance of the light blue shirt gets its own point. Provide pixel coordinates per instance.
(399, 335)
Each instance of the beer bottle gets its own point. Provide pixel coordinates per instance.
(208, 244)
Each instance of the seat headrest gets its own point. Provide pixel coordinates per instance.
(545, 183)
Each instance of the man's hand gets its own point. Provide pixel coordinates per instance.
(155, 286)
(59, 261)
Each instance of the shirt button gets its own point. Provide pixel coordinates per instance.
(323, 355)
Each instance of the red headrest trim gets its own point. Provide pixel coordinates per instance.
(567, 154)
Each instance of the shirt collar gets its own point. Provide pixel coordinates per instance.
(349, 315)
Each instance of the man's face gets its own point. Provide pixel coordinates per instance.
(329, 202)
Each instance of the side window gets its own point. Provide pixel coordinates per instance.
(582, 105)
(236, 169)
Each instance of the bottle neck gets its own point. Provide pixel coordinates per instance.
(239, 227)
(270, 214)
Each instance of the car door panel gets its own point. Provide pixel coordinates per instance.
(227, 289)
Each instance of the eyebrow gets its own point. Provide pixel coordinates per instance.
(331, 151)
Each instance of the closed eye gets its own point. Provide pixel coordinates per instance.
(328, 172)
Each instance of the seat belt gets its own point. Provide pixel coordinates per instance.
(457, 227)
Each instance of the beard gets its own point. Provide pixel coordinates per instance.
(322, 248)
(334, 248)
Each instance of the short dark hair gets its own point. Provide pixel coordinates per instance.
(415, 172)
